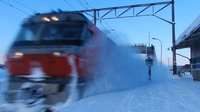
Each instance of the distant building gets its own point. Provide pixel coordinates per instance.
(143, 49)
(190, 38)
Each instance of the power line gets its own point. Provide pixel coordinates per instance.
(88, 4)
(10, 16)
(103, 26)
(25, 6)
(108, 25)
(115, 36)
(8, 1)
(70, 5)
(14, 7)
(82, 4)
(111, 29)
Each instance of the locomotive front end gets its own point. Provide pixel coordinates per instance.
(46, 54)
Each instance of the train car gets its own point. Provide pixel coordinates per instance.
(49, 54)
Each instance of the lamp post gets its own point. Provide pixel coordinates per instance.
(160, 48)
(168, 60)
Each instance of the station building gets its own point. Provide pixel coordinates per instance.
(190, 38)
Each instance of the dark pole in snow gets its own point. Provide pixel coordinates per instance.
(149, 63)
(173, 40)
(149, 73)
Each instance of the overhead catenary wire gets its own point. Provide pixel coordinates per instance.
(8, 1)
(100, 22)
(14, 7)
(111, 29)
(88, 4)
(9, 16)
(25, 6)
(82, 4)
(115, 37)
(108, 25)
(70, 5)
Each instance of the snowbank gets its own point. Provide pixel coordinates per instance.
(172, 95)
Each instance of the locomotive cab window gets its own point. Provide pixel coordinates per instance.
(53, 31)
(66, 31)
(28, 32)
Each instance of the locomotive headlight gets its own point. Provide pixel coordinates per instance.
(56, 53)
(45, 19)
(18, 54)
(54, 18)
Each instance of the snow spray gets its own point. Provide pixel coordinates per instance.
(73, 90)
(118, 68)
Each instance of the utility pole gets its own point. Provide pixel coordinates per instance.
(168, 61)
(95, 17)
(149, 40)
(173, 41)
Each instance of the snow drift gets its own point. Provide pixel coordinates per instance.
(118, 68)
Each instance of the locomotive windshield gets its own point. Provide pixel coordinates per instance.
(52, 31)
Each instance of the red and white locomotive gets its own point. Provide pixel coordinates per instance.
(39, 59)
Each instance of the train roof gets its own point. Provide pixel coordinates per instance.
(57, 16)
(190, 36)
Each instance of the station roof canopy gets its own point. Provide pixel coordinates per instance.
(191, 36)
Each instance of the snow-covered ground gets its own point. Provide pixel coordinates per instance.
(171, 94)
